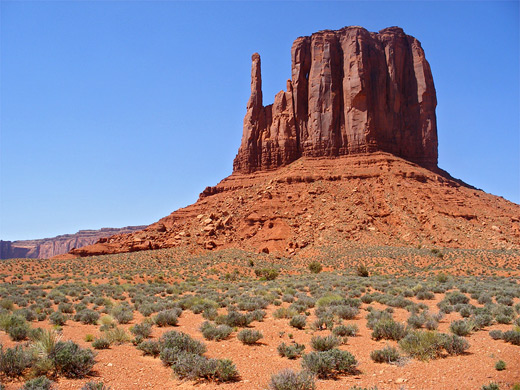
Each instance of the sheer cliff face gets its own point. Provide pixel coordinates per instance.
(352, 91)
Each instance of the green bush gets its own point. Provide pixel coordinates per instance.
(315, 267)
(40, 383)
(291, 351)
(71, 360)
(117, 336)
(57, 318)
(87, 317)
(385, 355)
(454, 345)
(192, 366)
(143, 330)
(123, 313)
(234, 318)
(101, 343)
(14, 361)
(496, 334)
(172, 343)
(423, 345)
(267, 273)
(500, 365)
(462, 327)
(329, 364)
(345, 330)
(388, 329)
(319, 343)
(298, 321)
(362, 271)
(491, 386)
(512, 336)
(217, 333)
(150, 347)
(249, 336)
(290, 380)
(166, 318)
(95, 386)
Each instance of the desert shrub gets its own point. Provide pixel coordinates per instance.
(495, 334)
(40, 383)
(66, 308)
(284, 312)
(71, 360)
(290, 351)
(389, 330)
(166, 318)
(142, 330)
(512, 336)
(192, 366)
(101, 343)
(217, 333)
(423, 345)
(28, 314)
(249, 336)
(500, 365)
(117, 336)
(123, 313)
(345, 312)
(210, 313)
(150, 347)
(491, 386)
(345, 330)
(374, 316)
(87, 316)
(7, 304)
(319, 343)
(15, 325)
(503, 319)
(298, 321)
(315, 267)
(18, 332)
(456, 297)
(385, 355)
(425, 295)
(257, 315)
(454, 345)
(431, 323)
(267, 273)
(14, 361)
(57, 318)
(328, 299)
(95, 386)
(234, 318)
(290, 380)
(415, 321)
(172, 343)
(329, 364)
(462, 327)
(362, 270)
(482, 320)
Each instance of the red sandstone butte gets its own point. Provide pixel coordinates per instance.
(352, 91)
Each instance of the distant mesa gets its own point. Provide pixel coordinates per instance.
(49, 247)
(352, 91)
(346, 156)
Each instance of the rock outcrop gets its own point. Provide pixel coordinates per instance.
(49, 247)
(352, 91)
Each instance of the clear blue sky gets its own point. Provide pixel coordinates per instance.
(117, 113)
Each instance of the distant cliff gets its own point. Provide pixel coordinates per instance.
(48, 247)
(352, 91)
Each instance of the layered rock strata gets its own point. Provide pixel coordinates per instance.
(352, 91)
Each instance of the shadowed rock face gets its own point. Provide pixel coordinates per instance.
(352, 91)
